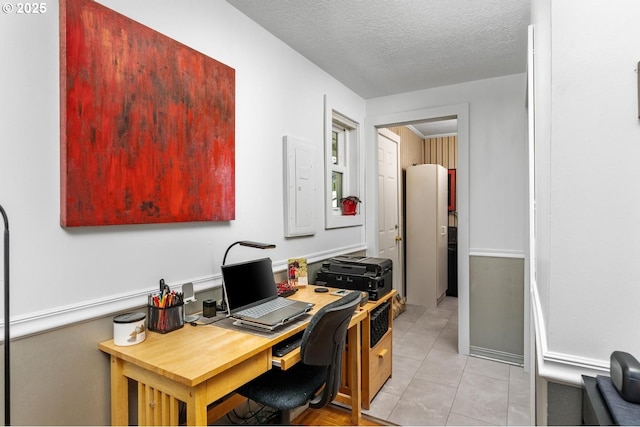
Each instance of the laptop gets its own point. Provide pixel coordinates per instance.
(252, 297)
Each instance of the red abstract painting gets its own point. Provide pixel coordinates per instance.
(147, 124)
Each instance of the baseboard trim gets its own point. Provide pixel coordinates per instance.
(42, 321)
(500, 356)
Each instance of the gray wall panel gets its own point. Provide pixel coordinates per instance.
(496, 292)
(564, 406)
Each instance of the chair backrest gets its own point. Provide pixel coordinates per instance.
(323, 342)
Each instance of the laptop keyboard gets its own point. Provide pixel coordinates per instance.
(265, 308)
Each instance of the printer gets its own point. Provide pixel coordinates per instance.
(373, 275)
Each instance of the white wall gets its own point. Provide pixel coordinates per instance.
(588, 131)
(62, 275)
(497, 154)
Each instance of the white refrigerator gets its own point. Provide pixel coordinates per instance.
(426, 234)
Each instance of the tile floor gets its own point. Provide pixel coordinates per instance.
(433, 385)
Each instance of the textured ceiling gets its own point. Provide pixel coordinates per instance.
(431, 128)
(384, 47)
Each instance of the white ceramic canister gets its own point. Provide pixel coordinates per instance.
(129, 329)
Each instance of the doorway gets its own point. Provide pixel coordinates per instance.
(432, 142)
(460, 112)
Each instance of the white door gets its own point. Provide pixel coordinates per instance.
(389, 225)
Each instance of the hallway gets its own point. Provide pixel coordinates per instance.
(433, 385)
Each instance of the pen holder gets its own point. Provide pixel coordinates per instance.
(165, 320)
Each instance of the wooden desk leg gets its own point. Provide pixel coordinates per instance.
(197, 406)
(119, 394)
(355, 372)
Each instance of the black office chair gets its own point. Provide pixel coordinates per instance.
(321, 363)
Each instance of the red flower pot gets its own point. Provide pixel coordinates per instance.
(349, 207)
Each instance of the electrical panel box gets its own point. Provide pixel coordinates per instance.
(300, 187)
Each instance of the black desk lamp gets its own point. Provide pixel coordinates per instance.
(7, 380)
(249, 244)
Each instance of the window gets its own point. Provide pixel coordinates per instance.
(338, 165)
(342, 170)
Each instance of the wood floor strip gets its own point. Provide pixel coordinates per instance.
(332, 415)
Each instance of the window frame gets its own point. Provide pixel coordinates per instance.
(339, 166)
(350, 165)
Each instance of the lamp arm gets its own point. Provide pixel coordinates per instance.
(7, 341)
(224, 259)
(4, 217)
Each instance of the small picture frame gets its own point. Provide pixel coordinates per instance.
(452, 190)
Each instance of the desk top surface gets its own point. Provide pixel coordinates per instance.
(191, 354)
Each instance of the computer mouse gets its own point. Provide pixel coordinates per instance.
(322, 290)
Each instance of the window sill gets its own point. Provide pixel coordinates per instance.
(339, 221)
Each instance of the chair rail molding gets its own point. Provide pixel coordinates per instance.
(45, 320)
(555, 366)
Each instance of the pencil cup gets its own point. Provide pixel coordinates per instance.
(165, 320)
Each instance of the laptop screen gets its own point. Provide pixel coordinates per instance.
(248, 282)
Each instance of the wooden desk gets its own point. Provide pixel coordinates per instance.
(200, 365)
